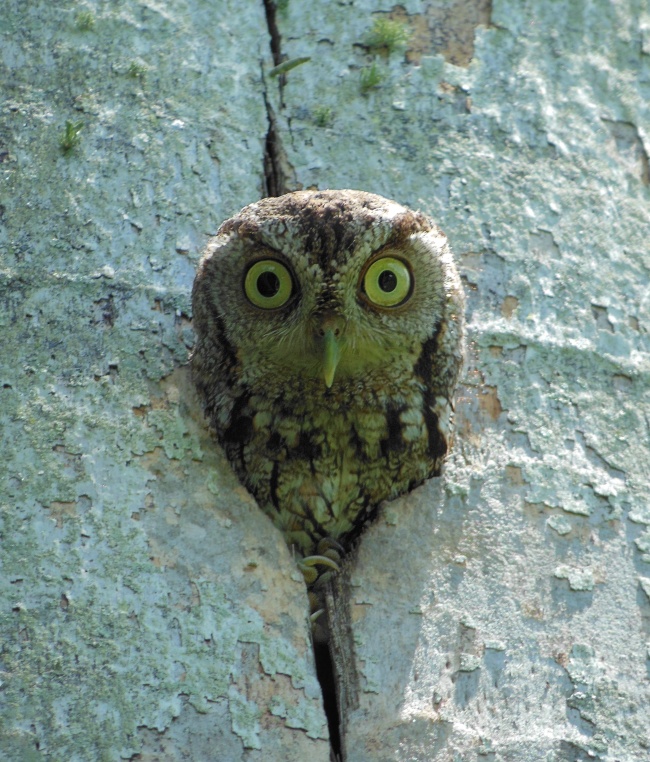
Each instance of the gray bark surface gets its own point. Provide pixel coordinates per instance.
(148, 610)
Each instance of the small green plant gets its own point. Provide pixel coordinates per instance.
(370, 78)
(136, 70)
(70, 137)
(323, 116)
(282, 5)
(387, 35)
(286, 66)
(84, 21)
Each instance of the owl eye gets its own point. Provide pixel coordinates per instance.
(387, 282)
(268, 284)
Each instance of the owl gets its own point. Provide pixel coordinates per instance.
(329, 339)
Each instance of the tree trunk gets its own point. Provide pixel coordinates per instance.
(149, 610)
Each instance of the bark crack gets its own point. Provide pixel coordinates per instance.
(334, 657)
(279, 175)
(338, 663)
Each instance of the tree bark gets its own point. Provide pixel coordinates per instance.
(148, 609)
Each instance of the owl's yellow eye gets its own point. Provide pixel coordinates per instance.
(268, 284)
(387, 282)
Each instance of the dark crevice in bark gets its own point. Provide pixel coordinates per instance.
(339, 662)
(327, 679)
(277, 170)
(274, 32)
(279, 178)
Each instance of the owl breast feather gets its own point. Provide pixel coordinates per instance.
(321, 468)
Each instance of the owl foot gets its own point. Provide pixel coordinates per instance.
(328, 554)
(317, 570)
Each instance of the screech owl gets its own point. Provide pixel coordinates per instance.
(329, 339)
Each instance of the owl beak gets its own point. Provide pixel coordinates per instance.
(331, 356)
(329, 332)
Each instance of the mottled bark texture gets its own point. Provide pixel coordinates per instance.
(500, 612)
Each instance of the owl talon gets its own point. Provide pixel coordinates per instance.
(329, 547)
(323, 579)
(313, 617)
(309, 572)
(319, 560)
(316, 610)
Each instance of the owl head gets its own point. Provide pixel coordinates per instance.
(319, 289)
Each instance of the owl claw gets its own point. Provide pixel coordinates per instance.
(329, 547)
(316, 610)
(314, 616)
(309, 572)
(323, 579)
(320, 560)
